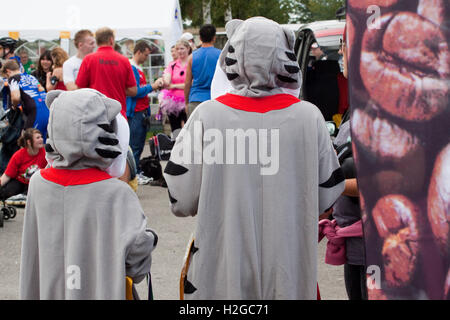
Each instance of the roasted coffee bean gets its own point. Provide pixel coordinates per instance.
(399, 259)
(405, 66)
(376, 294)
(395, 218)
(393, 213)
(433, 10)
(439, 200)
(382, 138)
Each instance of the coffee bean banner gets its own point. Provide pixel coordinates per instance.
(399, 75)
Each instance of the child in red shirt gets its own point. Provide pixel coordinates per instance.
(26, 161)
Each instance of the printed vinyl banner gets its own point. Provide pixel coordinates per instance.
(399, 82)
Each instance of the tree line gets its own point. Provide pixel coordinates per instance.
(218, 12)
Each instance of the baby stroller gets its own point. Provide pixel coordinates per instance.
(6, 212)
(10, 200)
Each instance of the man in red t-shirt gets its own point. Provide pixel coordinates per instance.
(108, 71)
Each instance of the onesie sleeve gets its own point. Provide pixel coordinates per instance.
(29, 261)
(141, 241)
(331, 177)
(139, 258)
(183, 172)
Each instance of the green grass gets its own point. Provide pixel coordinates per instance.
(154, 130)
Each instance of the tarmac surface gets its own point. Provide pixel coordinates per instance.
(167, 259)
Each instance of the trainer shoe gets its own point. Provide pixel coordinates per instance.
(143, 179)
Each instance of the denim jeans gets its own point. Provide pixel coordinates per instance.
(138, 132)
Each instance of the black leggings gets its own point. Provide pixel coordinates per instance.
(355, 281)
(12, 188)
(175, 120)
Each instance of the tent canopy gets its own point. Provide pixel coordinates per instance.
(54, 19)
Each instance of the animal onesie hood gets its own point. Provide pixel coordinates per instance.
(257, 167)
(84, 231)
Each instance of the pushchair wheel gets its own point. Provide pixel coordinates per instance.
(5, 212)
(12, 212)
(1, 218)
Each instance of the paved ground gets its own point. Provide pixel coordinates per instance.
(173, 233)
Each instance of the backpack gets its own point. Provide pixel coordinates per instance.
(161, 146)
(11, 125)
(151, 167)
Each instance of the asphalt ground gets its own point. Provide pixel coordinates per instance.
(167, 259)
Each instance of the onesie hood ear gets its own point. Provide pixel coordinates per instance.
(83, 130)
(290, 37)
(259, 59)
(232, 26)
(51, 96)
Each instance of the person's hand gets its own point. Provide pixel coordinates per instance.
(326, 214)
(58, 72)
(166, 84)
(158, 84)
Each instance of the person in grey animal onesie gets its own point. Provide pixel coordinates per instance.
(84, 231)
(257, 167)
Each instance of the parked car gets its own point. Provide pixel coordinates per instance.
(323, 83)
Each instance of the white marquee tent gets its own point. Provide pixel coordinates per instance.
(52, 20)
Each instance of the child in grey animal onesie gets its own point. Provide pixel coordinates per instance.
(257, 167)
(84, 231)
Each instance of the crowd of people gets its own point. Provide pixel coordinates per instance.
(98, 123)
(54, 70)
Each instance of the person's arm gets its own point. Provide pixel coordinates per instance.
(14, 90)
(48, 84)
(167, 79)
(68, 77)
(131, 91)
(12, 169)
(30, 112)
(71, 86)
(176, 86)
(188, 81)
(145, 90)
(326, 214)
(82, 80)
(351, 188)
(4, 179)
(130, 83)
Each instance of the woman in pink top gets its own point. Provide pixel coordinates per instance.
(171, 100)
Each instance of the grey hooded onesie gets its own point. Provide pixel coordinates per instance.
(84, 231)
(257, 167)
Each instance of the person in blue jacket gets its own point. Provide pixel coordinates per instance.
(138, 107)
